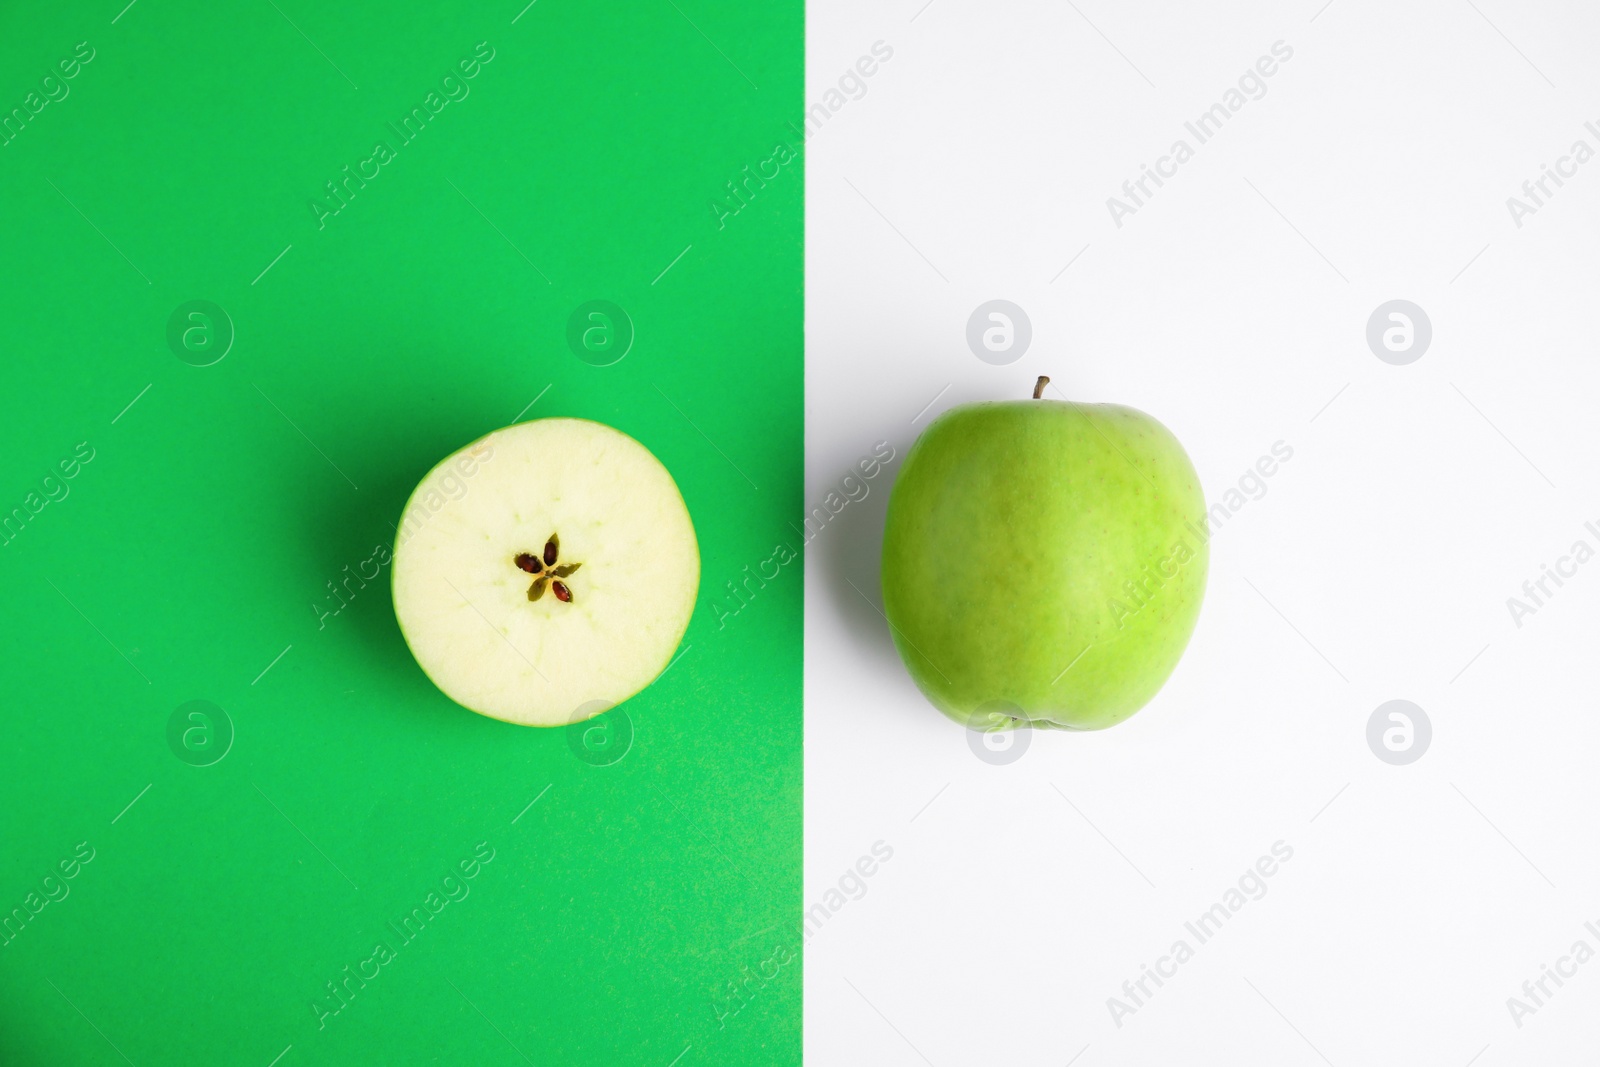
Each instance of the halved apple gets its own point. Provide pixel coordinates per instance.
(545, 572)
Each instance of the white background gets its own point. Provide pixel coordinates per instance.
(1233, 307)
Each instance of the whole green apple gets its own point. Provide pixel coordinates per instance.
(1044, 562)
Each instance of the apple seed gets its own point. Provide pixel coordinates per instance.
(547, 570)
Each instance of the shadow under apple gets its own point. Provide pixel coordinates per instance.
(848, 555)
(353, 537)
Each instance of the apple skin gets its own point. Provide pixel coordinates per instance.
(1030, 538)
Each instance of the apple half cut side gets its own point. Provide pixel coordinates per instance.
(546, 572)
(1044, 562)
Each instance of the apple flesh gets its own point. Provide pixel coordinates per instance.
(1043, 562)
(545, 572)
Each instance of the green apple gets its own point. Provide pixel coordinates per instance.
(1043, 562)
(545, 572)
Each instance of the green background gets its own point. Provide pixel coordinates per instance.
(193, 547)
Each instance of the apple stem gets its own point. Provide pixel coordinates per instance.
(1038, 389)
